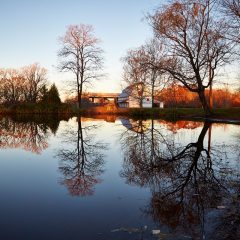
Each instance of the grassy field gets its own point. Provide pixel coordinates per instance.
(171, 113)
(166, 113)
(37, 109)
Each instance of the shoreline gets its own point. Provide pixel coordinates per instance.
(223, 115)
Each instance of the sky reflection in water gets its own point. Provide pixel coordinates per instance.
(118, 179)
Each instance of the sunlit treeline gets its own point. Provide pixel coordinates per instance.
(176, 95)
(26, 84)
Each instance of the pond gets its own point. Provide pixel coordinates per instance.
(119, 178)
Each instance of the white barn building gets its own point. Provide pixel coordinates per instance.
(133, 96)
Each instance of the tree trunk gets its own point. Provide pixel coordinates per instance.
(153, 85)
(78, 92)
(210, 97)
(152, 94)
(204, 103)
(80, 89)
(80, 96)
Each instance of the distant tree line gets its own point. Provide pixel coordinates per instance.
(26, 85)
(176, 95)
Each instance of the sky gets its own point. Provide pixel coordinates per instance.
(30, 31)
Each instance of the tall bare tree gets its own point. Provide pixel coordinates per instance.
(153, 60)
(231, 9)
(81, 55)
(135, 74)
(11, 86)
(35, 79)
(195, 39)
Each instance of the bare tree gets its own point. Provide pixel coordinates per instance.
(195, 39)
(231, 9)
(135, 75)
(153, 60)
(81, 55)
(11, 86)
(22, 85)
(35, 80)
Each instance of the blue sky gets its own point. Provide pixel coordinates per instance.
(30, 31)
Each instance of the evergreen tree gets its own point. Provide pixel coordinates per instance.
(53, 96)
(50, 97)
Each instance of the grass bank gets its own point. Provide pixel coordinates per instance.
(165, 113)
(38, 109)
(68, 110)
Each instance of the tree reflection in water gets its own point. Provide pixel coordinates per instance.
(187, 182)
(82, 162)
(30, 136)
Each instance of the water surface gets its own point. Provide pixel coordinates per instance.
(111, 178)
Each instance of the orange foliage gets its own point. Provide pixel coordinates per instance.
(174, 127)
(225, 98)
(179, 96)
(176, 95)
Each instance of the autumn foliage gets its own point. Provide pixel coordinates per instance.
(22, 85)
(179, 96)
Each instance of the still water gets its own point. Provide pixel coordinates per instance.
(118, 178)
